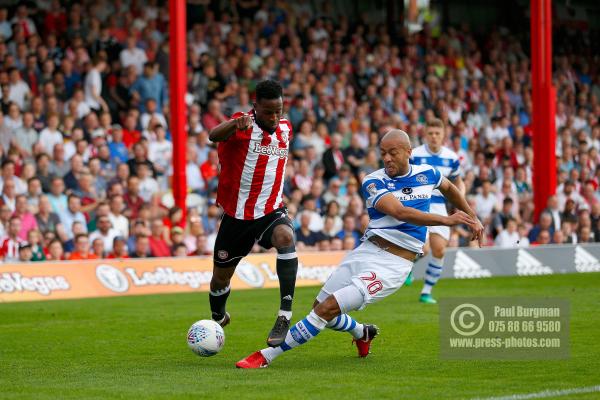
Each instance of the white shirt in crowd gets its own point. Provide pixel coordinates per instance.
(49, 138)
(93, 84)
(136, 57)
(148, 186)
(120, 223)
(106, 239)
(161, 153)
(495, 135)
(507, 239)
(18, 92)
(484, 206)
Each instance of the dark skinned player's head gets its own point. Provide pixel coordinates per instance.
(268, 105)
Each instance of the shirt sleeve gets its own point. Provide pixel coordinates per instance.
(437, 177)
(455, 172)
(373, 190)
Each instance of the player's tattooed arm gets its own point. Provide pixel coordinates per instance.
(390, 205)
(224, 130)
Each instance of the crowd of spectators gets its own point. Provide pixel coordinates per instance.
(86, 148)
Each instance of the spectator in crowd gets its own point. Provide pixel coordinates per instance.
(98, 247)
(34, 238)
(82, 248)
(28, 221)
(11, 242)
(141, 248)
(105, 232)
(158, 245)
(349, 229)
(25, 253)
(73, 214)
(508, 237)
(544, 224)
(119, 247)
(306, 238)
(55, 250)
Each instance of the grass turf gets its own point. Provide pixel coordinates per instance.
(134, 347)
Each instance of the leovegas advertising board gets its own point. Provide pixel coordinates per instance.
(99, 278)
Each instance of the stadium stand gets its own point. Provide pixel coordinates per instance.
(85, 141)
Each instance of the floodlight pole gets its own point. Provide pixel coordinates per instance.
(543, 96)
(177, 88)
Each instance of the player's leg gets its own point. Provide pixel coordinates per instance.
(382, 277)
(234, 241)
(309, 327)
(438, 243)
(279, 234)
(219, 292)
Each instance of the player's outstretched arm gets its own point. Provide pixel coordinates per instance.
(453, 194)
(224, 130)
(391, 206)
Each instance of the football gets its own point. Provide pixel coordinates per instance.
(205, 338)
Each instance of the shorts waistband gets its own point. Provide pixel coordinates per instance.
(393, 248)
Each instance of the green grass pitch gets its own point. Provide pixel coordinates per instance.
(135, 348)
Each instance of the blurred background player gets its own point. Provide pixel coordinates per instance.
(434, 153)
(253, 153)
(398, 199)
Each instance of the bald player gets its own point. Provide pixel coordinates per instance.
(398, 198)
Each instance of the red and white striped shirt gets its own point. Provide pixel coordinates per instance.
(252, 170)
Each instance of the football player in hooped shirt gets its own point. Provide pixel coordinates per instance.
(253, 153)
(446, 161)
(398, 199)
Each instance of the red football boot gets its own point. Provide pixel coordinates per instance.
(364, 344)
(254, 360)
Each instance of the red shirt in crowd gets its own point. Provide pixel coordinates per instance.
(131, 137)
(159, 248)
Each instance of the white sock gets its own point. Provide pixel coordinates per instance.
(286, 314)
(298, 334)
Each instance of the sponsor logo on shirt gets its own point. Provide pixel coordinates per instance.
(407, 190)
(269, 150)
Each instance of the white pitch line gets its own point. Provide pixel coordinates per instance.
(544, 394)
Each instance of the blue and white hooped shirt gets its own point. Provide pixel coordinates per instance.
(415, 189)
(445, 160)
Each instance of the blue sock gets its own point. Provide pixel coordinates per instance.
(432, 275)
(345, 323)
(298, 334)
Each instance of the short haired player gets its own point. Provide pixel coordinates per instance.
(434, 153)
(398, 199)
(253, 152)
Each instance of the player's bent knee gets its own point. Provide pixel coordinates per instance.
(349, 298)
(283, 237)
(328, 309)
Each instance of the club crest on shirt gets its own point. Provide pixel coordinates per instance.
(222, 254)
(407, 190)
(372, 189)
(446, 162)
(284, 136)
(422, 179)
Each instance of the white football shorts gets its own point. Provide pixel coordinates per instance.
(375, 272)
(443, 231)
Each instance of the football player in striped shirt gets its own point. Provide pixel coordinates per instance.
(253, 153)
(398, 199)
(446, 161)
